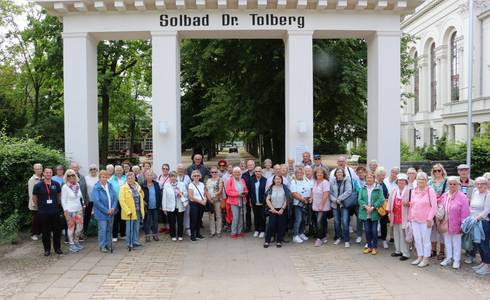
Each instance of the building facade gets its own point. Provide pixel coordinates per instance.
(439, 85)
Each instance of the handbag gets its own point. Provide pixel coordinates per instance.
(351, 201)
(443, 224)
(208, 207)
(408, 227)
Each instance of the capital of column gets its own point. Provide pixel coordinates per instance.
(388, 33)
(68, 35)
(300, 33)
(172, 33)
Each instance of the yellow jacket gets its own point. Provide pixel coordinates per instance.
(126, 201)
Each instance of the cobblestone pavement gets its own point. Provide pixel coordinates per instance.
(227, 269)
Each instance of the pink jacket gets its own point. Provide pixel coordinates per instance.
(231, 192)
(457, 209)
(423, 205)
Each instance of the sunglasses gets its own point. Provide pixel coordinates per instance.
(258, 171)
(213, 172)
(71, 175)
(437, 170)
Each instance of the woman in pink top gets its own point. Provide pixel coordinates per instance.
(321, 204)
(423, 205)
(456, 209)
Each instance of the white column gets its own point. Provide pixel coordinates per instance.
(299, 92)
(80, 99)
(384, 98)
(166, 99)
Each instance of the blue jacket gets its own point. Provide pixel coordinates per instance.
(158, 194)
(474, 228)
(252, 193)
(101, 203)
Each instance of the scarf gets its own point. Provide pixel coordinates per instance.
(75, 188)
(402, 193)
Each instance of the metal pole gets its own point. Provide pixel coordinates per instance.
(470, 82)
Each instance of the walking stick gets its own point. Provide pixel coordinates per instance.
(130, 246)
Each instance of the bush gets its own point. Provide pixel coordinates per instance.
(17, 156)
(9, 228)
(360, 150)
(480, 161)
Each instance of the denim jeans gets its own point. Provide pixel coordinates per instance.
(132, 231)
(341, 220)
(105, 233)
(299, 217)
(485, 244)
(321, 224)
(371, 228)
(151, 221)
(358, 223)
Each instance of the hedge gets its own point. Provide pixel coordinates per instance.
(17, 156)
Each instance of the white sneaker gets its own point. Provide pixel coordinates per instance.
(297, 239)
(256, 234)
(181, 239)
(261, 235)
(324, 240)
(347, 245)
(114, 240)
(456, 265)
(34, 237)
(337, 242)
(446, 262)
(385, 244)
(188, 232)
(174, 239)
(417, 261)
(358, 240)
(468, 260)
(303, 237)
(424, 263)
(365, 245)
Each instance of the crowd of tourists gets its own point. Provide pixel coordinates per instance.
(426, 215)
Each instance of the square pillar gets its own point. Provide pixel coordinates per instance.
(166, 99)
(80, 99)
(299, 92)
(383, 134)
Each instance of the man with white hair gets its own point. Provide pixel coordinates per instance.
(390, 181)
(348, 171)
(110, 170)
(197, 164)
(372, 166)
(35, 178)
(249, 176)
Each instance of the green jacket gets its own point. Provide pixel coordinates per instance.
(377, 200)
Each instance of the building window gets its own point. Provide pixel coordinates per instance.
(433, 80)
(454, 68)
(416, 84)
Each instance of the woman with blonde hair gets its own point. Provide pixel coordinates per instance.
(72, 203)
(439, 183)
(423, 205)
(131, 199)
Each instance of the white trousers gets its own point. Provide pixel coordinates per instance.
(453, 246)
(401, 245)
(421, 236)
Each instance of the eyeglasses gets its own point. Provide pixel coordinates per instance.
(453, 183)
(437, 170)
(258, 171)
(213, 172)
(93, 169)
(222, 165)
(165, 168)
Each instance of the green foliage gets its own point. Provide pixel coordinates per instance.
(360, 150)
(9, 228)
(480, 161)
(17, 156)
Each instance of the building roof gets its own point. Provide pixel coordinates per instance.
(64, 7)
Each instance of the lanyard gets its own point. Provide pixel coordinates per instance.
(48, 190)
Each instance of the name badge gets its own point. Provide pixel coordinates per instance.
(49, 201)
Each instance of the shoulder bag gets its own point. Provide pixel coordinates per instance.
(351, 201)
(408, 227)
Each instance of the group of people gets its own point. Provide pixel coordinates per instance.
(437, 216)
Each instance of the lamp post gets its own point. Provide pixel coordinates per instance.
(470, 82)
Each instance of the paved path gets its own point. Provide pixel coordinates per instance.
(227, 269)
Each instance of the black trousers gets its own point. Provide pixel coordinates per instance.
(277, 227)
(383, 224)
(87, 214)
(195, 215)
(119, 226)
(259, 217)
(36, 226)
(248, 217)
(176, 217)
(50, 224)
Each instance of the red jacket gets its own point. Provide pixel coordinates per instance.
(232, 193)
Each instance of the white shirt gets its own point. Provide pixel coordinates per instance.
(69, 200)
(197, 192)
(390, 185)
(347, 174)
(91, 181)
(369, 191)
(302, 187)
(106, 189)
